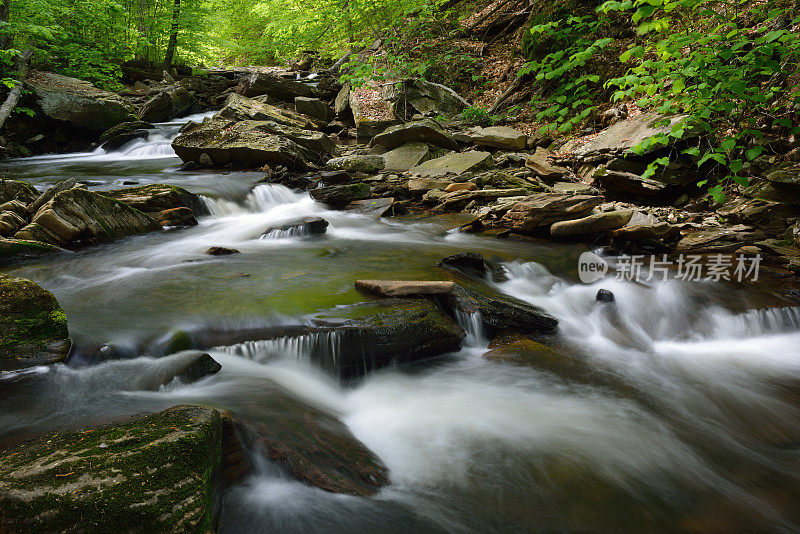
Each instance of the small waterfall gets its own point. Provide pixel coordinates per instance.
(472, 323)
(220, 207)
(295, 231)
(323, 346)
(266, 196)
(754, 323)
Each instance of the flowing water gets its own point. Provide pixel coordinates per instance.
(694, 425)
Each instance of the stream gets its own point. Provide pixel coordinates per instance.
(697, 431)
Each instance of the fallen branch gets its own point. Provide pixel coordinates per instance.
(507, 93)
(21, 66)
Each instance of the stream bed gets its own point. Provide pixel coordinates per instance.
(702, 436)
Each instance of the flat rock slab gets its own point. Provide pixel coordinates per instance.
(375, 207)
(404, 288)
(406, 157)
(544, 209)
(454, 164)
(541, 163)
(424, 131)
(357, 163)
(620, 138)
(240, 108)
(340, 195)
(502, 137)
(596, 223)
(157, 471)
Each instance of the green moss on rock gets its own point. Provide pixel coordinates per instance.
(156, 473)
(33, 327)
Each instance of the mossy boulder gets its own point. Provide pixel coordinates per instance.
(157, 473)
(155, 198)
(219, 143)
(76, 214)
(122, 133)
(15, 249)
(374, 334)
(167, 105)
(78, 102)
(17, 190)
(33, 327)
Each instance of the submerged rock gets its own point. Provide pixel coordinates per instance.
(404, 288)
(78, 102)
(373, 335)
(305, 227)
(340, 195)
(159, 471)
(33, 327)
(222, 251)
(76, 215)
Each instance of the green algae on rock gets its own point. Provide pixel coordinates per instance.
(156, 473)
(33, 327)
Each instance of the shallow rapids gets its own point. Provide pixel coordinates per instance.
(692, 423)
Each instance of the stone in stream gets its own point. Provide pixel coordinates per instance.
(376, 207)
(236, 145)
(76, 215)
(33, 327)
(313, 107)
(604, 295)
(155, 198)
(424, 131)
(592, 224)
(454, 164)
(502, 137)
(261, 83)
(17, 190)
(404, 288)
(305, 227)
(317, 142)
(240, 108)
(372, 335)
(222, 251)
(470, 263)
(14, 249)
(118, 135)
(167, 105)
(175, 218)
(78, 102)
(10, 222)
(406, 157)
(341, 195)
(544, 209)
(160, 471)
(358, 163)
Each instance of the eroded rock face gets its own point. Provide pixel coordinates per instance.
(167, 105)
(78, 102)
(158, 471)
(156, 198)
(454, 164)
(258, 84)
(33, 327)
(410, 97)
(75, 214)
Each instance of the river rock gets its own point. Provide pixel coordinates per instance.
(417, 96)
(620, 138)
(574, 188)
(240, 108)
(540, 162)
(14, 249)
(770, 216)
(240, 148)
(340, 195)
(357, 162)
(175, 218)
(160, 471)
(404, 288)
(313, 107)
(78, 102)
(342, 102)
(544, 209)
(307, 226)
(313, 140)
(376, 207)
(502, 137)
(373, 335)
(15, 206)
(122, 133)
(595, 223)
(422, 185)
(405, 157)
(454, 164)
(470, 263)
(33, 327)
(313, 446)
(16, 190)
(167, 105)
(645, 229)
(525, 351)
(10, 222)
(156, 198)
(260, 83)
(222, 251)
(80, 215)
(424, 131)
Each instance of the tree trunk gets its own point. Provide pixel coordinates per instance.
(5, 17)
(173, 36)
(13, 95)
